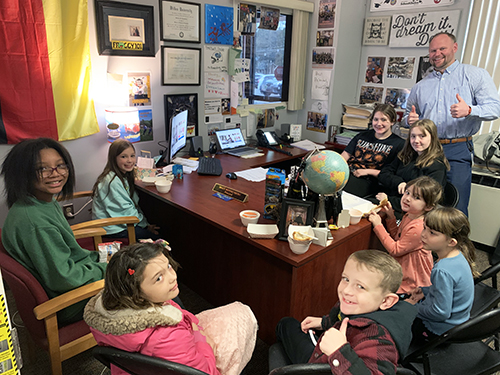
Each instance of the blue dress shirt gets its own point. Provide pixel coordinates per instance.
(434, 95)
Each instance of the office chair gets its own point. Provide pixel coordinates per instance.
(280, 365)
(140, 364)
(450, 195)
(38, 312)
(459, 351)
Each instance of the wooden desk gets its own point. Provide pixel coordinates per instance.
(223, 264)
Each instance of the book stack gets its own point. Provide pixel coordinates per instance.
(345, 137)
(356, 116)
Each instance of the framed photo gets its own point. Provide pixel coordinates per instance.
(180, 66)
(180, 21)
(175, 104)
(124, 29)
(296, 212)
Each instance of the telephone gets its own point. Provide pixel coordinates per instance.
(266, 139)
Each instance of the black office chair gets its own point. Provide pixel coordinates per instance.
(280, 365)
(460, 351)
(450, 195)
(140, 364)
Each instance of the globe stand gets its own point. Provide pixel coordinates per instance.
(320, 217)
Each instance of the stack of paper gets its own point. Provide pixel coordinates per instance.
(307, 145)
(345, 137)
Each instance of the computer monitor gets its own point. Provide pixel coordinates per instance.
(177, 135)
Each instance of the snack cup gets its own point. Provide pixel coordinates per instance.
(299, 247)
(356, 216)
(163, 186)
(249, 217)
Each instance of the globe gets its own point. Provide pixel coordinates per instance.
(326, 172)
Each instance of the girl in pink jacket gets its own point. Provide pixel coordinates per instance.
(135, 312)
(403, 242)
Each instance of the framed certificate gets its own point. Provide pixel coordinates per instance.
(180, 21)
(124, 29)
(180, 66)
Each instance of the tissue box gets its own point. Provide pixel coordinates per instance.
(275, 181)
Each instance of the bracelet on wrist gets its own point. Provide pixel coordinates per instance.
(470, 110)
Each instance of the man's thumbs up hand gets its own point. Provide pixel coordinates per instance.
(412, 116)
(460, 109)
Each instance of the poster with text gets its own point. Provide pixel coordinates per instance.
(320, 88)
(400, 67)
(415, 29)
(376, 31)
(326, 14)
(218, 24)
(216, 58)
(385, 5)
(375, 70)
(216, 85)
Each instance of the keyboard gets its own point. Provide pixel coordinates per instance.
(209, 167)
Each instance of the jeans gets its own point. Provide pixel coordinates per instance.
(460, 175)
(297, 344)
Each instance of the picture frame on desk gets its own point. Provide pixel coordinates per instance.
(294, 211)
(124, 29)
(180, 21)
(180, 66)
(177, 103)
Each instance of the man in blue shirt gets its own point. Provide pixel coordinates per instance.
(457, 97)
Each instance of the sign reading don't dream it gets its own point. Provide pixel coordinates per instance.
(416, 29)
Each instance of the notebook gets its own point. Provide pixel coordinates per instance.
(232, 142)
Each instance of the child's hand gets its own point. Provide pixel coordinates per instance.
(381, 196)
(389, 211)
(375, 219)
(333, 339)
(402, 188)
(311, 322)
(153, 228)
(415, 296)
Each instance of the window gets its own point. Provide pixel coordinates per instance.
(269, 51)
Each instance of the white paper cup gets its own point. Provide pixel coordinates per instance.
(163, 186)
(249, 217)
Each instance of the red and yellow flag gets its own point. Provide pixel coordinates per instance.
(45, 70)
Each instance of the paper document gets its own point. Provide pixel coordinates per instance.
(307, 145)
(253, 174)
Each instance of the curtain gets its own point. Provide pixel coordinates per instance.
(298, 57)
(482, 47)
(45, 70)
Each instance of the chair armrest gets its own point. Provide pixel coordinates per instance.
(58, 303)
(79, 194)
(105, 222)
(89, 232)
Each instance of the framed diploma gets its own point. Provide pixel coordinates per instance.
(180, 66)
(124, 29)
(180, 21)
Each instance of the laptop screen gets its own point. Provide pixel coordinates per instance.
(230, 138)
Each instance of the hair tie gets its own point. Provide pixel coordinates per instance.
(131, 271)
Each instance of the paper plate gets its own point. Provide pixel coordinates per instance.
(150, 181)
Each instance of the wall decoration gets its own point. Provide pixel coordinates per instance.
(124, 29)
(320, 88)
(400, 67)
(323, 58)
(320, 106)
(384, 5)
(269, 18)
(376, 31)
(216, 58)
(216, 85)
(375, 70)
(265, 118)
(212, 106)
(180, 66)
(218, 24)
(146, 123)
(326, 14)
(180, 21)
(296, 212)
(370, 94)
(397, 97)
(316, 121)
(139, 89)
(226, 106)
(324, 38)
(424, 67)
(247, 18)
(415, 29)
(175, 104)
